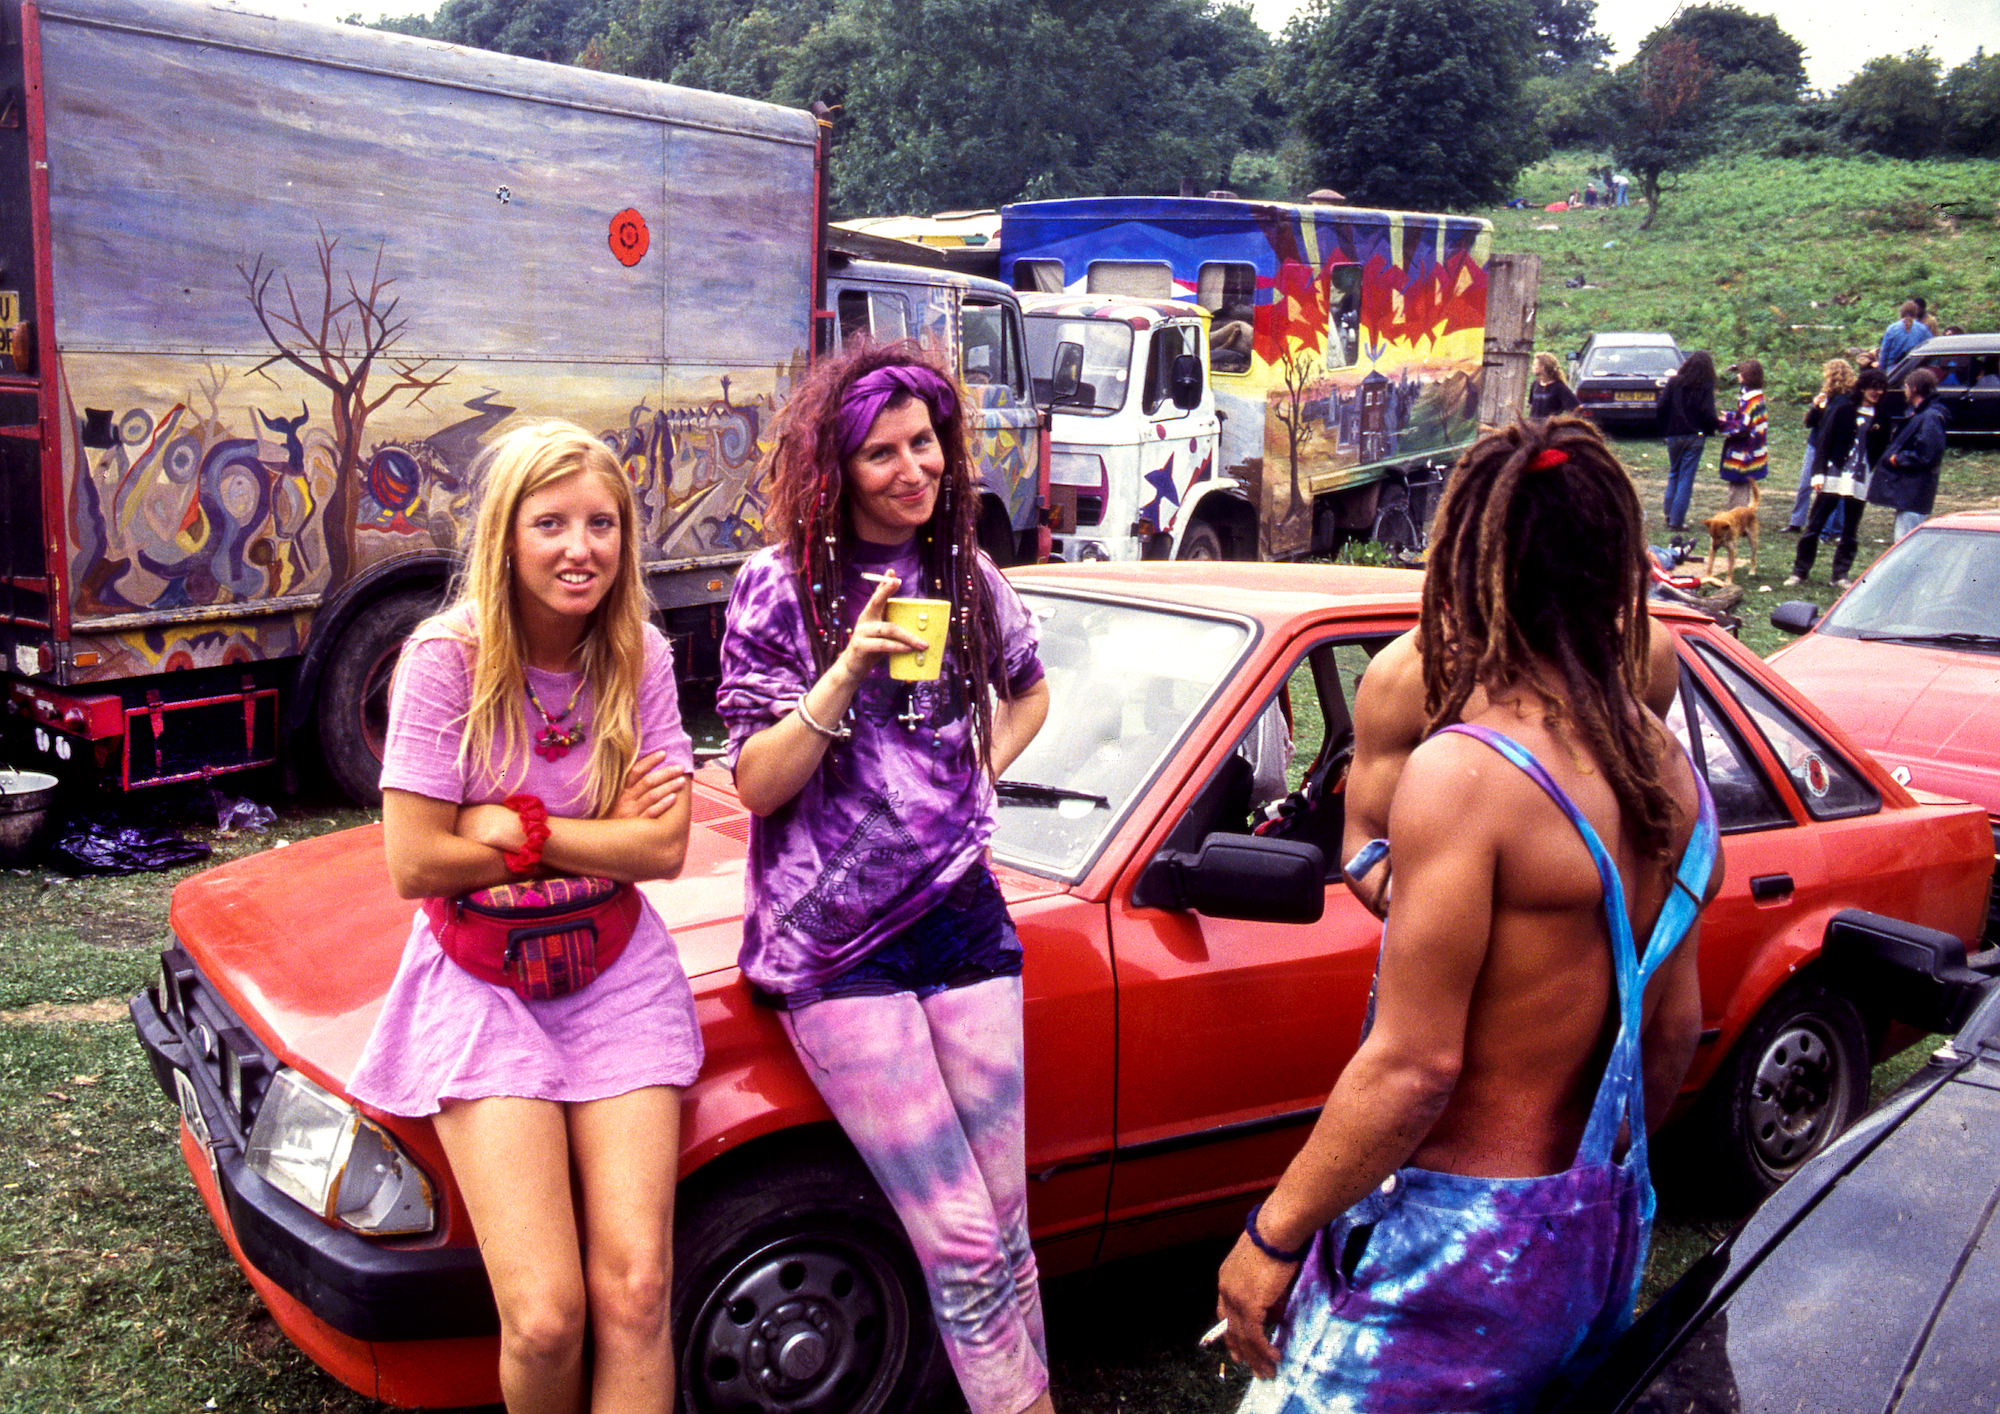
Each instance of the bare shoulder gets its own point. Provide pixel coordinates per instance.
(1663, 666)
(1389, 701)
(1451, 781)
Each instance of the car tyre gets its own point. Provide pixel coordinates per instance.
(1201, 543)
(795, 1289)
(353, 701)
(1797, 1078)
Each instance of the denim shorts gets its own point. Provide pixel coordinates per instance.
(967, 938)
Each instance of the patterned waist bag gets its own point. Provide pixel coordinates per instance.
(544, 938)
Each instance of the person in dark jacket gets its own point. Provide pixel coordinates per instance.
(1687, 410)
(1907, 478)
(1850, 437)
(1549, 395)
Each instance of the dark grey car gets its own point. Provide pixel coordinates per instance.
(1617, 377)
(1968, 372)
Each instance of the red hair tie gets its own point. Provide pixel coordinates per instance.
(1548, 457)
(534, 830)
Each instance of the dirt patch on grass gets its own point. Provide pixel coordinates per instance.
(46, 1013)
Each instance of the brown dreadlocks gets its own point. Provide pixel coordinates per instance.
(1538, 558)
(808, 517)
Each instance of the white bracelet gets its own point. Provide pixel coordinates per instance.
(830, 733)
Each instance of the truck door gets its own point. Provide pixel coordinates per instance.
(1178, 446)
(1005, 425)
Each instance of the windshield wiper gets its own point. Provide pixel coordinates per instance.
(1974, 640)
(1034, 793)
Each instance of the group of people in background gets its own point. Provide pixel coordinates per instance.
(1853, 457)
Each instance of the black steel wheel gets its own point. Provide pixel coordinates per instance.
(1201, 543)
(353, 704)
(1796, 1080)
(795, 1292)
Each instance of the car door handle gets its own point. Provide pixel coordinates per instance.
(1765, 888)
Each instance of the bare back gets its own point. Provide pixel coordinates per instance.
(1497, 945)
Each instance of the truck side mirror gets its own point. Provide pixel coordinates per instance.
(1068, 373)
(1185, 382)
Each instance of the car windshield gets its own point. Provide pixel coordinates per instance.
(1107, 361)
(1934, 586)
(1646, 360)
(1125, 683)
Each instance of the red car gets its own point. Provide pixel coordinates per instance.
(1192, 991)
(1908, 661)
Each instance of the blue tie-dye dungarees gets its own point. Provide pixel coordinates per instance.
(1440, 1292)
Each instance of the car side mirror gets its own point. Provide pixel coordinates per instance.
(1246, 877)
(1913, 974)
(1067, 375)
(1795, 616)
(1185, 382)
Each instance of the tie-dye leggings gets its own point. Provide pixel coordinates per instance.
(929, 1090)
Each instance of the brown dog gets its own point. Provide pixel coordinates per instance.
(1725, 531)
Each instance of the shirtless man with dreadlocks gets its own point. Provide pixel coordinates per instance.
(1471, 1213)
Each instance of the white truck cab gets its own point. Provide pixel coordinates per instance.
(1133, 425)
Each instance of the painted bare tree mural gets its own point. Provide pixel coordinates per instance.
(338, 341)
(1298, 371)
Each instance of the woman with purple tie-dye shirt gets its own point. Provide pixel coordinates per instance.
(872, 920)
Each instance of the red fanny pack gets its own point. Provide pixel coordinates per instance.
(543, 938)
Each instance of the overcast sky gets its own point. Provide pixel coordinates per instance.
(1839, 35)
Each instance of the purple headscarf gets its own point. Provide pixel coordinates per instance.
(867, 395)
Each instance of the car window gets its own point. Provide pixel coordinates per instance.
(1743, 797)
(1828, 784)
(1107, 361)
(1125, 684)
(1938, 582)
(1287, 776)
(1647, 360)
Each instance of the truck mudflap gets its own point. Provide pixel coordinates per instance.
(369, 1290)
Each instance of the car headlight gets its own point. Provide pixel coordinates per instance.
(320, 1151)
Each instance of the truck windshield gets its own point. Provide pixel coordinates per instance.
(1107, 362)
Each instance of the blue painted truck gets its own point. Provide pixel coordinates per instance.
(1342, 349)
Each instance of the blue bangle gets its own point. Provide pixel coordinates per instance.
(1274, 1253)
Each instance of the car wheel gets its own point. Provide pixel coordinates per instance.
(1201, 543)
(1797, 1078)
(353, 705)
(795, 1289)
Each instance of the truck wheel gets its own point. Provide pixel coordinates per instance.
(353, 706)
(795, 1289)
(1201, 543)
(1797, 1078)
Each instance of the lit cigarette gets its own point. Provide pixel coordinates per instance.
(1214, 1333)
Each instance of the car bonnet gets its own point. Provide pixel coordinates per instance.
(1931, 710)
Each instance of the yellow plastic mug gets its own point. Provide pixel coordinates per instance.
(930, 620)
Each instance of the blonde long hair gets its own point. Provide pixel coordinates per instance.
(1836, 379)
(522, 462)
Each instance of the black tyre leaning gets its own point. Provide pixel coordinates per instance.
(996, 533)
(1796, 1079)
(353, 704)
(1201, 543)
(795, 1289)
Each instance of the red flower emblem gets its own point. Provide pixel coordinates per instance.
(629, 237)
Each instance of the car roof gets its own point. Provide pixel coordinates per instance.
(1987, 520)
(1636, 336)
(1271, 592)
(1958, 343)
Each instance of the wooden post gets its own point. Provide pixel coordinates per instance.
(1509, 362)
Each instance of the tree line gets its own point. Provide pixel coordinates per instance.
(1417, 104)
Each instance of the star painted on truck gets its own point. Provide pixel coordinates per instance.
(1154, 512)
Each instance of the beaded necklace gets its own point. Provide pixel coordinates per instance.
(552, 743)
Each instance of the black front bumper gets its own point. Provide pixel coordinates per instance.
(370, 1290)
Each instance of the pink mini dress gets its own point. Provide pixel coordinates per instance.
(445, 1035)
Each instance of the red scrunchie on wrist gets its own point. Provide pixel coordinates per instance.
(534, 825)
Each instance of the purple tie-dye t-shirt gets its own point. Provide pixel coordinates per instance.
(892, 818)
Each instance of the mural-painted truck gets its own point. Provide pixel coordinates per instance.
(1341, 348)
(273, 285)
